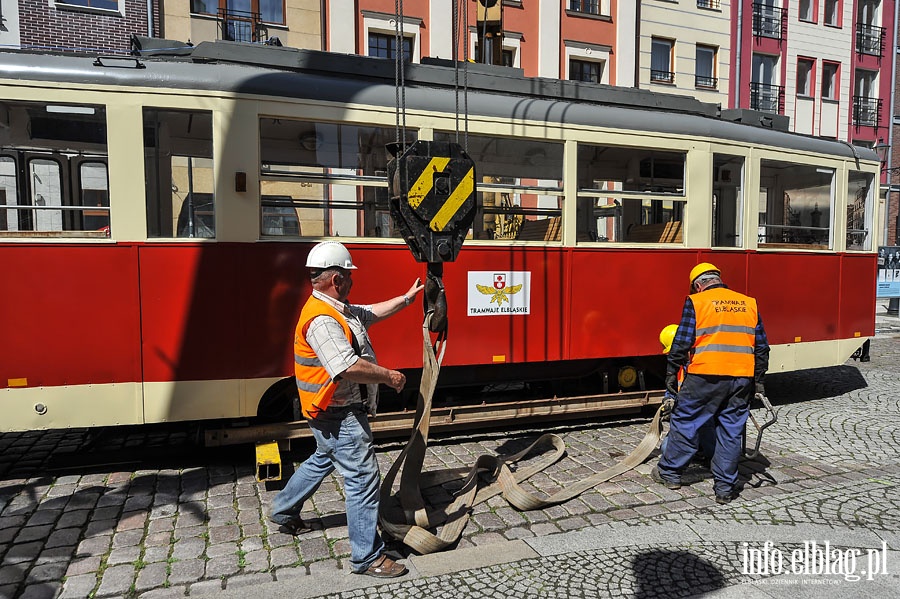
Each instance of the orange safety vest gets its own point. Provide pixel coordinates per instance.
(313, 382)
(725, 334)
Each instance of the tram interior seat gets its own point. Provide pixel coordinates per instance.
(669, 232)
(544, 229)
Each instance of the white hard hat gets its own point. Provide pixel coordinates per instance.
(328, 254)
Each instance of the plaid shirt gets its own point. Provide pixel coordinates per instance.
(683, 345)
(326, 337)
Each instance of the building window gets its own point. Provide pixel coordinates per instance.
(268, 11)
(102, 4)
(661, 61)
(829, 80)
(706, 67)
(805, 70)
(590, 7)
(384, 45)
(833, 12)
(584, 70)
(807, 11)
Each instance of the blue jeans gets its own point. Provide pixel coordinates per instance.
(343, 441)
(703, 400)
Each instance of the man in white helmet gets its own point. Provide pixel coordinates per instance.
(337, 379)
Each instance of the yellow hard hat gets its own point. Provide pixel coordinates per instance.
(667, 336)
(702, 268)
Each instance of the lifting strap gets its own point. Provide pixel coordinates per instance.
(404, 516)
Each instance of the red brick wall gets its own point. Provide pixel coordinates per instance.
(44, 26)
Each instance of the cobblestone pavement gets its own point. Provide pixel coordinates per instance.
(190, 522)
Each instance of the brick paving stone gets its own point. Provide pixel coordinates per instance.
(24, 552)
(34, 533)
(225, 565)
(312, 549)
(132, 521)
(284, 556)
(64, 537)
(116, 581)
(151, 576)
(46, 572)
(11, 574)
(78, 587)
(184, 571)
(75, 518)
(188, 548)
(55, 554)
(221, 534)
(123, 555)
(127, 538)
(220, 549)
(42, 590)
(256, 561)
(83, 565)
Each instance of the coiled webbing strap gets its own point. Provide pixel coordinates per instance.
(404, 516)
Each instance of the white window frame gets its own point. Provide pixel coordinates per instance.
(55, 4)
(375, 22)
(589, 53)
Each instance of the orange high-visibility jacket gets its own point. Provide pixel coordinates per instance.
(726, 333)
(313, 381)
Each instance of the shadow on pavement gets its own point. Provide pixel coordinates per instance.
(673, 573)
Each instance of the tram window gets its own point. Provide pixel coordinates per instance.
(520, 187)
(727, 206)
(45, 149)
(94, 183)
(795, 205)
(9, 218)
(860, 203)
(179, 172)
(324, 179)
(625, 195)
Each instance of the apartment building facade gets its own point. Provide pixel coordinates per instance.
(103, 26)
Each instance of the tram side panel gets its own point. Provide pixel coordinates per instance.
(70, 355)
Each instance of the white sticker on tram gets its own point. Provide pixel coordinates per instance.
(492, 293)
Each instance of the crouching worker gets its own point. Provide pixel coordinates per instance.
(722, 344)
(337, 378)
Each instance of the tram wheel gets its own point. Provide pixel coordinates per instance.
(277, 403)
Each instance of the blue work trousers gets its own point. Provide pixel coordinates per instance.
(725, 401)
(343, 441)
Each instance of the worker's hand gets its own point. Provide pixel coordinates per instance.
(760, 389)
(416, 288)
(397, 380)
(672, 384)
(668, 405)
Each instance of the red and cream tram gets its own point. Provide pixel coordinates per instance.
(155, 214)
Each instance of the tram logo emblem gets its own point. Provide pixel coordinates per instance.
(492, 293)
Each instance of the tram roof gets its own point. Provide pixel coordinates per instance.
(496, 92)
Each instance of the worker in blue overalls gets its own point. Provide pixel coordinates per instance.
(722, 344)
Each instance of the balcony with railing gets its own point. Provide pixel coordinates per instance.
(767, 98)
(870, 39)
(769, 21)
(706, 82)
(241, 26)
(658, 76)
(866, 111)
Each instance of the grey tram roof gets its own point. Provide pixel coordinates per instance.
(495, 92)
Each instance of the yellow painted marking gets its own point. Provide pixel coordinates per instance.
(424, 183)
(798, 339)
(856, 334)
(453, 203)
(17, 382)
(499, 359)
